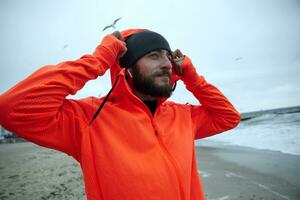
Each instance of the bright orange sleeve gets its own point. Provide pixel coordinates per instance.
(215, 114)
(37, 109)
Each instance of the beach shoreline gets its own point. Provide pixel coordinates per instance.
(234, 172)
(28, 171)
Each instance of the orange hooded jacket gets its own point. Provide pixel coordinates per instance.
(126, 153)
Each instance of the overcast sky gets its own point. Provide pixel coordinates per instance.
(249, 49)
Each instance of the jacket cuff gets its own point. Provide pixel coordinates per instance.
(190, 77)
(108, 50)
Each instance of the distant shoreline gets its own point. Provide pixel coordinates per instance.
(249, 115)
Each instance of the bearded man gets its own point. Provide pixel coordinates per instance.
(132, 143)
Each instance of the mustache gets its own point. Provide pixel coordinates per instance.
(163, 72)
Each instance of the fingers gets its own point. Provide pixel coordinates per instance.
(177, 59)
(119, 36)
(123, 53)
(178, 54)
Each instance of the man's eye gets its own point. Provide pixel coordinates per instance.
(154, 55)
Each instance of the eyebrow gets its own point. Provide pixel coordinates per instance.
(160, 51)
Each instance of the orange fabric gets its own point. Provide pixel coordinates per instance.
(126, 153)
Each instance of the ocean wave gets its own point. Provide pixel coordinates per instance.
(276, 132)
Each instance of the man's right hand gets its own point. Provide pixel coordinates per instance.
(118, 35)
(115, 44)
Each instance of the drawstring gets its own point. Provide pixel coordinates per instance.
(104, 101)
(106, 98)
(174, 87)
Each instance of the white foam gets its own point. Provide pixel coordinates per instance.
(273, 192)
(269, 132)
(229, 174)
(204, 174)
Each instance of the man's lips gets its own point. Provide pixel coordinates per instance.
(163, 74)
(164, 77)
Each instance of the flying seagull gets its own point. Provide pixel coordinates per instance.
(112, 25)
(238, 58)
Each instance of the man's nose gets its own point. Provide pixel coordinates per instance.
(165, 62)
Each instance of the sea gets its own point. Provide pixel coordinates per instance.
(275, 130)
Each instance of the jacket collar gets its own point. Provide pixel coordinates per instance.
(123, 92)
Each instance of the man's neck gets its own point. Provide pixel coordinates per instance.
(142, 96)
(151, 105)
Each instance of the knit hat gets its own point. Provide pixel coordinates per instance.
(140, 44)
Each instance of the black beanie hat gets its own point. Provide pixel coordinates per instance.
(139, 44)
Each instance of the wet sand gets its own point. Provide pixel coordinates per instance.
(232, 173)
(28, 171)
(31, 172)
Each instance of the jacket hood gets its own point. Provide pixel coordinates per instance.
(116, 72)
(116, 68)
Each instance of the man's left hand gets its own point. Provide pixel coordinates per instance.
(177, 60)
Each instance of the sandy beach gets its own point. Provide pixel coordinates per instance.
(28, 171)
(231, 173)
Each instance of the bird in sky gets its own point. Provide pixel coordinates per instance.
(112, 25)
(238, 58)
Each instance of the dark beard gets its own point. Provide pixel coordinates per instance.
(147, 86)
